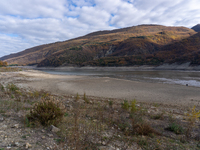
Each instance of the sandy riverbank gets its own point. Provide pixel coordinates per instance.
(107, 87)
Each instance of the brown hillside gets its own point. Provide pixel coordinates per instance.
(120, 42)
(186, 50)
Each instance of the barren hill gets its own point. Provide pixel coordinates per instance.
(91, 49)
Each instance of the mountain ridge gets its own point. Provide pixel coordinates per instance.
(136, 40)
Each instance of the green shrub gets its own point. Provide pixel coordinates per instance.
(133, 106)
(47, 112)
(2, 87)
(85, 98)
(125, 105)
(175, 128)
(77, 97)
(110, 103)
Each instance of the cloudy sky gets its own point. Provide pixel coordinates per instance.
(28, 23)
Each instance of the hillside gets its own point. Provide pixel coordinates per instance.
(196, 28)
(186, 50)
(92, 49)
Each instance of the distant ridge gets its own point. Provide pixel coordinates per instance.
(136, 45)
(196, 28)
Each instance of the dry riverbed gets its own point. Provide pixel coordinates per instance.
(102, 120)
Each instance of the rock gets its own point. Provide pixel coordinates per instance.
(17, 144)
(106, 148)
(50, 135)
(43, 130)
(28, 145)
(70, 107)
(8, 147)
(4, 126)
(54, 129)
(1, 119)
(15, 126)
(152, 107)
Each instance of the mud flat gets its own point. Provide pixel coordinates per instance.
(107, 87)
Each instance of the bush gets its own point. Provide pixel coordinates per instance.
(125, 105)
(133, 106)
(47, 112)
(175, 128)
(12, 87)
(85, 98)
(144, 129)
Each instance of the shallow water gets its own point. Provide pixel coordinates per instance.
(192, 78)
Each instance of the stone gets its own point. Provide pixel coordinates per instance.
(4, 126)
(54, 129)
(8, 147)
(1, 119)
(15, 126)
(17, 144)
(28, 145)
(50, 135)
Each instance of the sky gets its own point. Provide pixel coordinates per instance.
(28, 23)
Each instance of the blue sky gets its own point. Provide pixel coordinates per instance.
(28, 23)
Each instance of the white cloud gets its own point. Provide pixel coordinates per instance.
(38, 22)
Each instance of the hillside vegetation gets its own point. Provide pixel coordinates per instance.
(137, 45)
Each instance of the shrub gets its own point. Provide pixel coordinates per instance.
(141, 127)
(77, 97)
(2, 87)
(47, 112)
(144, 129)
(125, 105)
(110, 103)
(133, 106)
(85, 98)
(12, 87)
(175, 128)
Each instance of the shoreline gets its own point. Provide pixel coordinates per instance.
(164, 67)
(119, 89)
(167, 67)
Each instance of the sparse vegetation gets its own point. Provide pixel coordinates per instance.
(103, 123)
